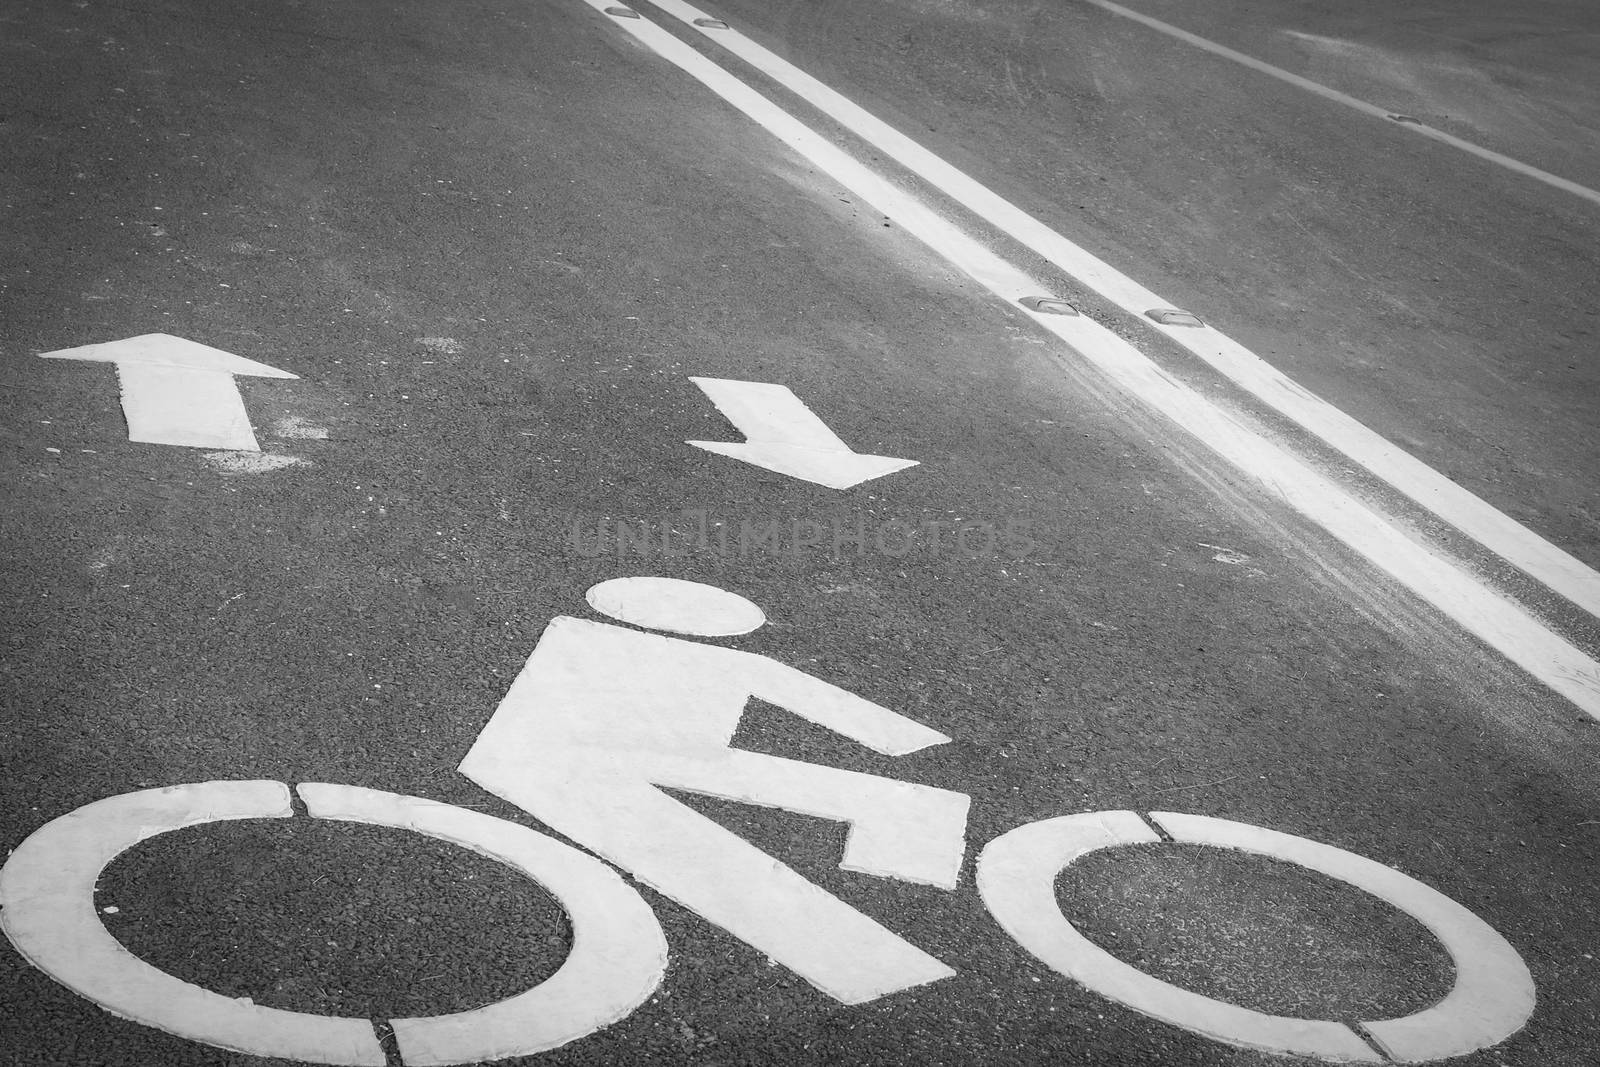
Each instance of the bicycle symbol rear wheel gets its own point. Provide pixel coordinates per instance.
(617, 959)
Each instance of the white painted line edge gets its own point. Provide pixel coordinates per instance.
(1419, 128)
(1489, 615)
(1467, 512)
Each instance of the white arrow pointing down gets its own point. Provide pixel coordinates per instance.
(179, 392)
(783, 435)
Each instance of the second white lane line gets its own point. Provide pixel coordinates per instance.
(1467, 512)
(1411, 125)
(1495, 619)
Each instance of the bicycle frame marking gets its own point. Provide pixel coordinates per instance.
(601, 716)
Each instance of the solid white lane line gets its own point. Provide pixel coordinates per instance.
(1466, 511)
(1493, 618)
(1421, 129)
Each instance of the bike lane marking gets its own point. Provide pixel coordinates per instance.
(1491, 616)
(599, 719)
(602, 716)
(1492, 998)
(47, 909)
(1461, 508)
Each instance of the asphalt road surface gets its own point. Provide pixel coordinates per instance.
(438, 308)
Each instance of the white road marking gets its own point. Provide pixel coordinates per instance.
(601, 716)
(1464, 510)
(783, 435)
(1493, 996)
(676, 606)
(1495, 619)
(179, 392)
(47, 890)
(618, 956)
(1412, 125)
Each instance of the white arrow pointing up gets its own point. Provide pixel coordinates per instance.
(783, 435)
(178, 392)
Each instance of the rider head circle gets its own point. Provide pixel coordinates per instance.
(676, 606)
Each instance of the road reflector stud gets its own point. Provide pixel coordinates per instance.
(711, 24)
(1047, 305)
(1174, 317)
(622, 12)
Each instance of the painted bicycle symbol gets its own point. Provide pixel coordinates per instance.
(600, 721)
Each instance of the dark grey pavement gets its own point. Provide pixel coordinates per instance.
(1448, 304)
(494, 239)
